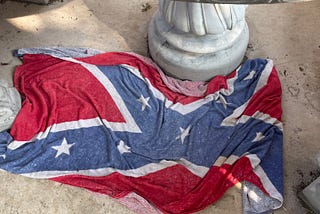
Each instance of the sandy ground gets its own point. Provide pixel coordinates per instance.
(287, 33)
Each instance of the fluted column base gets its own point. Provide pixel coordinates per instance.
(186, 51)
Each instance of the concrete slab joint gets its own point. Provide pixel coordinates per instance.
(197, 41)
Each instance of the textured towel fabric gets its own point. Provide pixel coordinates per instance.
(108, 123)
(186, 87)
(10, 104)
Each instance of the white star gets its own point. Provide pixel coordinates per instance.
(63, 148)
(250, 76)
(259, 137)
(3, 156)
(123, 148)
(144, 102)
(184, 133)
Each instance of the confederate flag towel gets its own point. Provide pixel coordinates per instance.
(109, 124)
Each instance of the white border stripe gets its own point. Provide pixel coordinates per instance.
(263, 80)
(264, 117)
(185, 108)
(69, 126)
(200, 171)
(129, 125)
(226, 160)
(142, 171)
(57, 128)
(269, 187)
(232, 119)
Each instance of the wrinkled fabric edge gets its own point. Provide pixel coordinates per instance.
(185, 87)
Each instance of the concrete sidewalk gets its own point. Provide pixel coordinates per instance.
(287, 33)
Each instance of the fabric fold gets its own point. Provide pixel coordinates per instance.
(110, 124)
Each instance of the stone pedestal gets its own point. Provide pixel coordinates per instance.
(197, 41)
